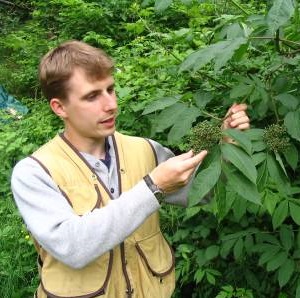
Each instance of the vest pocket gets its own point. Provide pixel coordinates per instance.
(60, 281)
(157, 254)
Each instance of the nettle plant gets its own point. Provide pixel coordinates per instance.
(242, 224)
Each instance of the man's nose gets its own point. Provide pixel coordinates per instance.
(110, 102)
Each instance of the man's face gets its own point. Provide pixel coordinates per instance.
(91, 108)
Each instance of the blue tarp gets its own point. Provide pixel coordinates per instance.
(10, 104)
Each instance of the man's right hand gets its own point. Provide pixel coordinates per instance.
(174, 173)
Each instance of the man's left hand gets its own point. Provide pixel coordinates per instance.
(237, 117)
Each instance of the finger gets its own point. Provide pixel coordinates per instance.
(238, 107)
(194, 161)
(237, 115)
(243, 126)
(184, 156)
(239, 121)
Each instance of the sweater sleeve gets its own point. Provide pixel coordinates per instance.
(179, 197)
(68, 237)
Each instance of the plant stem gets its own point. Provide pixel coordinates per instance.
(240, 7)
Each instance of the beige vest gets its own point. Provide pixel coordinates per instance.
(141, 266)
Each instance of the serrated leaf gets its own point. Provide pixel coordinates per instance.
(241, 185)
(277, 261)
(221, 51)
(240, 160)
(295, 212)
(280, 214)
(254, 134)
(279, 14)
(169, 116)
(239, 208)
(198, 276)
(182, 127)
(242, 139)
(288, 100)
(241, 90)
(292, 123)
(161, 5)
(210, 278)
(228, 51)
(205, 181)
(211, 252)
(286, 237)
(160, 104)
(285, 272)
(291, 156)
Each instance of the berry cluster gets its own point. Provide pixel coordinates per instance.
(204, 136)
(276, 138)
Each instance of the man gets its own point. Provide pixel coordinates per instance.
(90, 197)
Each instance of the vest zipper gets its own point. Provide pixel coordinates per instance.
(129, 289)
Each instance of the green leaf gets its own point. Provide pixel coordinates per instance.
(240, 160)
(205, 180)
(254, 134)
(161, 5)
(226, 54)
(242, 139)
(211, 252)
(285, 272)
(240, 184)
(270, 201)
(286, 237)
(210, 278)
(277, 261)
(241, 90)
(202, 98)
(292, 123)
(239, 208)
(295, 212)
(298, 290)
(199, 274)
(221, 52)
(278, 158)
(275, 171)
(291, 156)
(182, 127)
(288, 100)
(279, 14)
(280, 214)
(268, 254)
(258, 158)
(160, 104)
(238, 249)
(169, 116)
(262, 176)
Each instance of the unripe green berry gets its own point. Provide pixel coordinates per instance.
(204, 136)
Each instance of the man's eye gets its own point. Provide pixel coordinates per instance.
(111, 90)
(92, 97)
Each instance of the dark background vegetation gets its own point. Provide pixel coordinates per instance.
(178, 63)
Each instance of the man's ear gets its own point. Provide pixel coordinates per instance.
(58, 107)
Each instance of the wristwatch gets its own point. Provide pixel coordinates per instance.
(159, 194)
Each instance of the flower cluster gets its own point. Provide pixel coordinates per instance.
(276, 138)
(204, 136)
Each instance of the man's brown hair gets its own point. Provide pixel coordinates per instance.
(57, 66)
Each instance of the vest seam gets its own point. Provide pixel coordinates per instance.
(154, 152)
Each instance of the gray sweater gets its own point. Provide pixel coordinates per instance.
(78, 240)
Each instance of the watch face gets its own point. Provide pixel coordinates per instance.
(159, 195)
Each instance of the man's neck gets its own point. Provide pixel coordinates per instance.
(95, 147)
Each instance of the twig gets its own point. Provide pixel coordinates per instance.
(240, 7)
